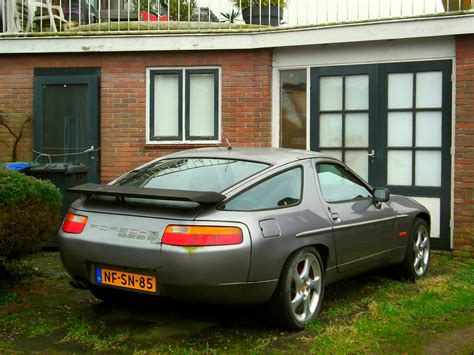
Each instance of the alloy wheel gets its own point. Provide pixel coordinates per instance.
(306, 287)
(421, 250)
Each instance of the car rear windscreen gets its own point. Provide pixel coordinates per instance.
(193, 174)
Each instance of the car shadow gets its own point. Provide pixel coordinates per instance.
(162, 317)
(152, 317)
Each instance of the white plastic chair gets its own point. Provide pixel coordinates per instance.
(54, 13)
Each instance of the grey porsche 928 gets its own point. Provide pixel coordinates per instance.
(242, 225)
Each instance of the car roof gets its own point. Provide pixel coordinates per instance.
(273, 156)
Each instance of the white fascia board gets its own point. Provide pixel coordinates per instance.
(345, 33)
(413, 49)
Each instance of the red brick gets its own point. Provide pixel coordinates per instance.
(246, 99)
(464, 157)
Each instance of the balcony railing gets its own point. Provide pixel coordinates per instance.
(30, 17)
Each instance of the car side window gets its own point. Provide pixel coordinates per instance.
(282, 190)
(338, 184)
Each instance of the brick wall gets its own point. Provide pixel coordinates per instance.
(246, 100)
(464, 157)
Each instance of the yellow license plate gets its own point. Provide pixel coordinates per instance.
(125, 279)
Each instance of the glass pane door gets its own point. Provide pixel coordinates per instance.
(293, 108)
(342, 106)
(415, 131)
(391, 123)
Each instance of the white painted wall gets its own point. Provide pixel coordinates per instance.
(301, 12)
(433, 206)
(327, 11)
(366, 52)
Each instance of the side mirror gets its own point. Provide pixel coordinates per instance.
(381, 194)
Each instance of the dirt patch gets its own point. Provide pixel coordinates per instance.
(47, 315)
(460, 341)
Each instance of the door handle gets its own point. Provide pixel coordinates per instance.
(371, 154)
(336, 218)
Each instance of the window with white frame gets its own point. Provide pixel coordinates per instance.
(183, 105)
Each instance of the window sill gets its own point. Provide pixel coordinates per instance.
(184, 145)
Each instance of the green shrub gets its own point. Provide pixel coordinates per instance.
(181, 10)
(29, 213)
(12, 271)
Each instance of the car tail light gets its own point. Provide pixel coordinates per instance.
(202, 235)
(74, 223)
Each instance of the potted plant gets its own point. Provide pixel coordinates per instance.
(179, 10)
(456, 5)
(230, 17)
(261, 12)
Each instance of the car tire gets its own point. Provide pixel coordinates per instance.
(417, 256)
(300, 290)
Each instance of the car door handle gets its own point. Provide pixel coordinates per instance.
(336, 218)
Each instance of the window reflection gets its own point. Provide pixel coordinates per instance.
(194, 174)
(282, 190)
(293, 108)
(338, 184)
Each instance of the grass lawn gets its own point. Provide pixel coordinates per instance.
(399, 316)
(369, 313)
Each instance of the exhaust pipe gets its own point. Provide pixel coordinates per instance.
(79, 285)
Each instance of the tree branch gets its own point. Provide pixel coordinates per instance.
(16, 136)
(4, 124)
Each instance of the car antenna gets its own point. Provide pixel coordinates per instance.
(229, 147)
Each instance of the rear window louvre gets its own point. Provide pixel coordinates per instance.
(201, 197)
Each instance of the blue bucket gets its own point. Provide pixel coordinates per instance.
(17, 166)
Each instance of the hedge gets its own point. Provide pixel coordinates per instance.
(29, 213)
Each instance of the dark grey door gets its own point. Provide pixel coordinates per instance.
(415, 138)
(391, 123)
(342, 115)
(66, 120)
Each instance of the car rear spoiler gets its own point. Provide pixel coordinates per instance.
(201, 197)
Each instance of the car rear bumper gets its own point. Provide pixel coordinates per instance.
(205, 274)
